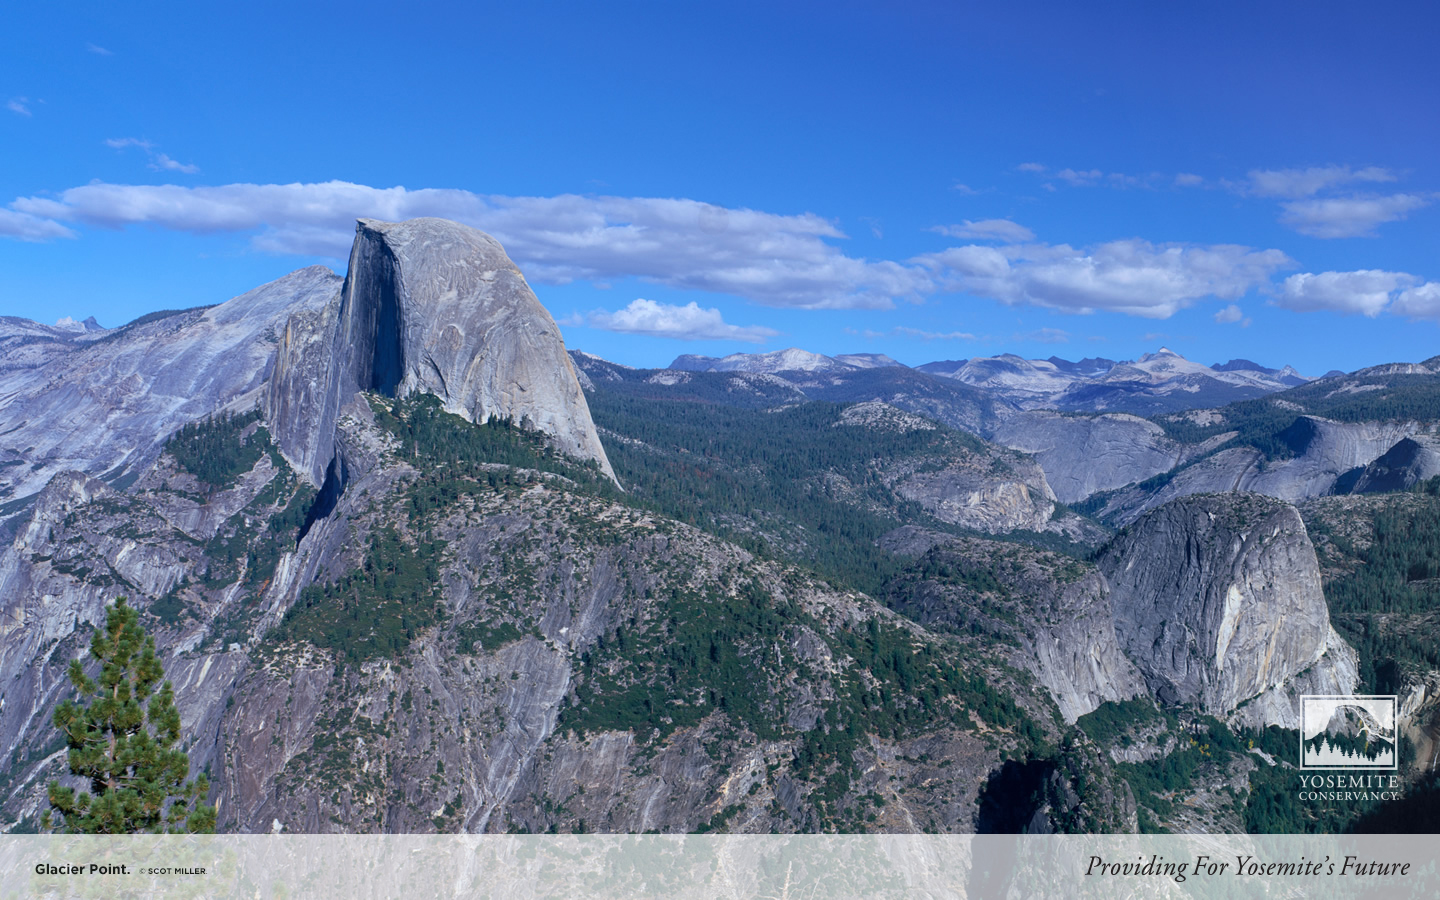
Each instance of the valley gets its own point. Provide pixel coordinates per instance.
(413, 566)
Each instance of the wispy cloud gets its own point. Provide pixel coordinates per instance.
(1080, 178)
(923, 335)
(987, 230)
(687, 323)
(160, 162)
(19, 105)
(1087, 177)
(1321, 201)
(1188, 179)
(122, 143)
(97, 50)
(1356, 216)
(1045, 336)
(777, 260)
(1297, 183)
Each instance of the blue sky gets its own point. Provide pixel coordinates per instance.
(930, 181)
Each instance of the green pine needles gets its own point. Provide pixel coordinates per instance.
(124, 745)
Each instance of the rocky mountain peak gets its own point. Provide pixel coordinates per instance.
(436, 307)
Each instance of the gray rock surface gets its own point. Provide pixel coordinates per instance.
(986, 494)
(105, 406)
(1082, 455)
(1412, 460)
(461, 731)
(436, 307)
(1330, 451)
(1217, 600)
(1055, 609)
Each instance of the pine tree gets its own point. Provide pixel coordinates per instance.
(124, 746)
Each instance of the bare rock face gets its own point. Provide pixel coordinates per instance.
(1085, 454)
(961, 496)
(990, 490)
(435, 307)
(1054, 610)
(106, 405)
(1217, 600)
(1412, 460)
(1325, 452)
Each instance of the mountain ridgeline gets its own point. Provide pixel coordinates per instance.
(411, 566)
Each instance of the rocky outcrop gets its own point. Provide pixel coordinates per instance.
(1054, 609)
(978, 497)
(1217, 600)
(428, 306)
(988, 489)
(1411, 461)
(1329, 457)
(1082, 455)
(106, 405)
(1326, 451)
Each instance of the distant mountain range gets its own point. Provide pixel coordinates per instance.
(1159, 382)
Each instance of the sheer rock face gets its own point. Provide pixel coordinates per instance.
(1217, 600)
(1412, 460)
(435, 307)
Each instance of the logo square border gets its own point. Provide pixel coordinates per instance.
(1394, 717)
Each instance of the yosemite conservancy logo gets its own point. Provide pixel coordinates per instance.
(1347, 732)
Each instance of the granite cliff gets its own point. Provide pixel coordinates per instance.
(427, 306)
(1218, 601)
(105, 402)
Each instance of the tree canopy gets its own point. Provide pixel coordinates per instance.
(121, 738)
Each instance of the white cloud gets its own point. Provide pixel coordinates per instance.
(1133, 277)
(1187, 179)
(777, 260)
(160, 162)
(987, 230)
(1232, 314)
(687, 323)
(25, 227)
(1033, 168)
(923, 335)
(965, 189)
(1045, 336)
(19, 105)
(1358, 216)
(1366, 291)
(1419, 302)
(1298, 183)
(98, 50)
